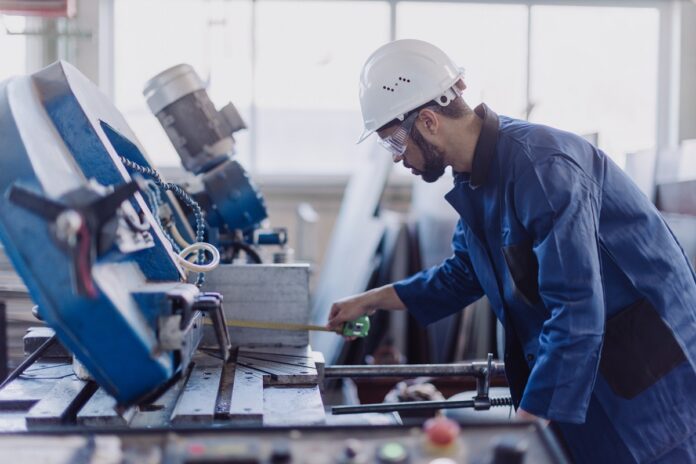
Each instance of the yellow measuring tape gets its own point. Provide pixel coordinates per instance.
(356, 328)
(276, 325)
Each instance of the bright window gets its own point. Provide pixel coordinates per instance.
(488, 41)
(291, 67)
(307, 82)
(594, 70)
(212, 36)
(12, 47)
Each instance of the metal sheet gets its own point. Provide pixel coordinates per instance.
(61, 403)
(280, 372)
(268, 293)
(36, 382)
(197, 402)
(293, 406)
(281, 366)
(159, 411)
(100, 410)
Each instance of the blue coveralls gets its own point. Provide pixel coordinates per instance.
(596, 296)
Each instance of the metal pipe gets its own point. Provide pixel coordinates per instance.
(474, 369)
(408, 406)
(420, 405)
(29, 360)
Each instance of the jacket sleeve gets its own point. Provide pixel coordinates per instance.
(559, 206)
(442, 290)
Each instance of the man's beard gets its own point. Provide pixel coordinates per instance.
(433, 159)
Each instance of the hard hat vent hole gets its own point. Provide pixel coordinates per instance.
(443, 99)
(388, 89)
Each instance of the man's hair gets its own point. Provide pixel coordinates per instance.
(456, 109)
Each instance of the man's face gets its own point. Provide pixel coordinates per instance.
(421, 157)
(433, 164)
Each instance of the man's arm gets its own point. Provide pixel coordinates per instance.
(430, 295)
(559, 206)
(351, 308)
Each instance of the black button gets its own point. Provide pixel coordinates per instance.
(281, 453)
(530, 357)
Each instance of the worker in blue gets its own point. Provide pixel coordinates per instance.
(596, 296)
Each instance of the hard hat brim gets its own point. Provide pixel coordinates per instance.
(366, 133)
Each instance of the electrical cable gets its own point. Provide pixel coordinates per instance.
(176, 235)
(191, 203)
(214, 262)
(236, 245)
(19, 370)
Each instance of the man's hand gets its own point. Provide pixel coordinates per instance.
(526, 416)
(352, 307)
(349, 309)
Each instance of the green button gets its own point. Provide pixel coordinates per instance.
(392, 452)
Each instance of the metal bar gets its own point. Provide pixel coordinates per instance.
(415, 370)
(475, 403)
(197, 402)
(409, 406)
(247, 397)
(224, 398)
(3, 341)
(28, 361)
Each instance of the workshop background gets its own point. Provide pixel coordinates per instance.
(622, 73)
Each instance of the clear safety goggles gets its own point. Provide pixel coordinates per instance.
(396, 142)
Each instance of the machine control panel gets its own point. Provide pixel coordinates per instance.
(508, 443)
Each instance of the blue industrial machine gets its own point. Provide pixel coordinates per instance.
(75, 223)
(203, 139)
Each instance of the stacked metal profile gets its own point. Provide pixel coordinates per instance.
(18, 306)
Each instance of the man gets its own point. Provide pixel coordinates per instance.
(596, 296)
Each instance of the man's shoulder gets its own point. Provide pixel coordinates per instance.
(526, 142)
(533, 135)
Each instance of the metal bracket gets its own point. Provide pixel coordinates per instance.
(211, 304)
(80, 34)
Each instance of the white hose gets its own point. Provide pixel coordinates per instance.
(176, 235)
(192, 267)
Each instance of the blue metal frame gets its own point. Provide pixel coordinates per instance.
(52, 142)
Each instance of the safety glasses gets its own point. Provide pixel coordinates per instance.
(396, 142)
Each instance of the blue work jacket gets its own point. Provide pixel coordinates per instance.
(596, 296)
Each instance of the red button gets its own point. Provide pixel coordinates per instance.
(441, 431)
(196, 449)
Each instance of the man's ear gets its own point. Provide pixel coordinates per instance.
(430, 120)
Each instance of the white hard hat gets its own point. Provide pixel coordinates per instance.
(401, 76)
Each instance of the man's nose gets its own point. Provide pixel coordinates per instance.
(397, 157)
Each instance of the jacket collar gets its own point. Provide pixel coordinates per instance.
(485, 148)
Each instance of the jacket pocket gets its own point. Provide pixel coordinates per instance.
(524, 269)
(639, 349)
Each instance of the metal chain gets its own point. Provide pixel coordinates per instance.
(183, 196)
